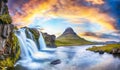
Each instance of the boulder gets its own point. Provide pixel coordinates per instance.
(101, 52)
(55, 62)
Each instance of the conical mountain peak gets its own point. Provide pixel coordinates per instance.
(69, 30)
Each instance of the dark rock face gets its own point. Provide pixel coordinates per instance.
(50, 40)
(69, 30)
(5, 30)
(9, 45)
(115, 51)
(3, 7)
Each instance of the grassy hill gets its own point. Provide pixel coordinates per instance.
(70, 38)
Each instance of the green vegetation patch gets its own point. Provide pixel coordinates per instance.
(8, 63)
(107, 48)
(5, 18)
(71, 42)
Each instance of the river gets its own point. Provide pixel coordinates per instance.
(72, 58)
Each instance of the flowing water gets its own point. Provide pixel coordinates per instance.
(42, 42)
(72, 57)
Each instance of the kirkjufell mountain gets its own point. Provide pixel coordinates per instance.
(69, 37)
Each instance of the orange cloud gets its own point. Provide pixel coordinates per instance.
(96, 1)
(30, 10)
(63, 8)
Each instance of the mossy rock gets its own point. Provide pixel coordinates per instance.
(5, 16)
(35, 33)
(6, 19)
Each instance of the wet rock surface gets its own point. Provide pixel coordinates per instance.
(55, 62)
(101, 52)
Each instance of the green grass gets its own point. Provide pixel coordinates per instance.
(107, 48)
(71, 42)
(9, 62)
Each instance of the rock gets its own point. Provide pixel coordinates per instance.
(69, 30)
(118, 51)
(4, 9)
(2, 57)
(5, 30)
(9, 46)
(115, 51)
(101, 52)
(50, 40)
(55, 62)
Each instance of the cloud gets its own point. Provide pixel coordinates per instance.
(100, 36)
(99, 2)
(97, 16)
(70, 9)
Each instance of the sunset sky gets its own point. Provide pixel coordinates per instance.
(94, 20)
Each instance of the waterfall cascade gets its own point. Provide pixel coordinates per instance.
(33, 52)
(28, 45)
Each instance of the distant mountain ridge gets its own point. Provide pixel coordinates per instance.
(107, 42)
(70, 38)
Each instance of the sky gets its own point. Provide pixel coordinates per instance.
(94, 20)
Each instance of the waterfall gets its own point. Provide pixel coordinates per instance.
(30, 52)
(27, 45)
(22, 40)
(30, 35)
(31, 46)
(42, 42)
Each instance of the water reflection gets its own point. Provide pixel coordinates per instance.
(72, 58)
